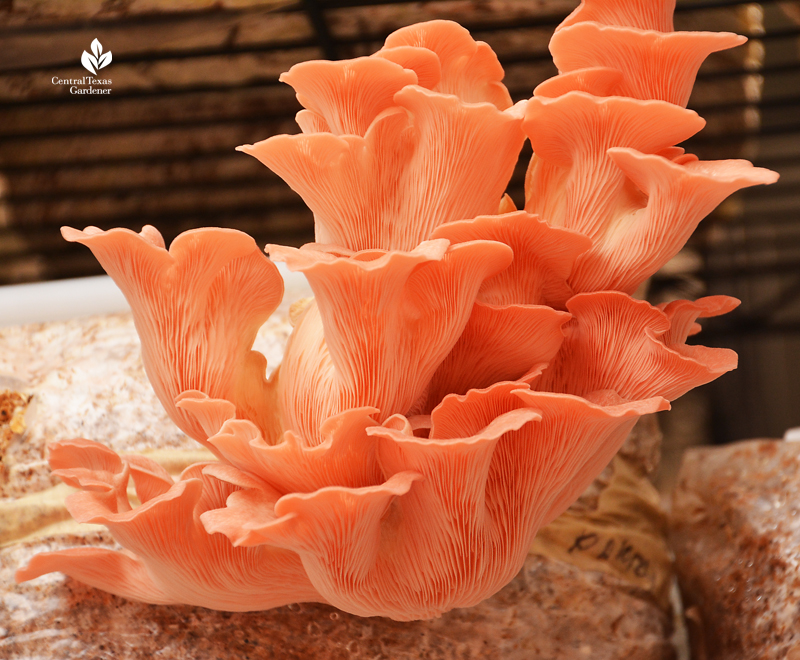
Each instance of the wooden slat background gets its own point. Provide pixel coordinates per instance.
(192, 80)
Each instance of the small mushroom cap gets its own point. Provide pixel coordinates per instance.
(347, 96)
(469, 69)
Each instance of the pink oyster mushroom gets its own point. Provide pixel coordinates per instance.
(465, 369)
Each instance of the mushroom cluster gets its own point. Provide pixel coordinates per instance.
(464, 370)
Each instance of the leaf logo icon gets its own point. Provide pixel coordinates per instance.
(97, 59)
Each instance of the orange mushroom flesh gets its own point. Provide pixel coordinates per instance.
(465, 370)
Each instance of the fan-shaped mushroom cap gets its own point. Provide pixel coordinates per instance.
(571, 181)
(544, 257)
(431, 160)
(654, 65)
(197, 309)
(345, 456)
(425, 108)
(169, 556)
(470, 69)
(582, 121)
(511, 327)
(381, 324)
(594, 428)
(499, 343)
(422, 61)
(345, 97)
(460, 506)
(615, 178)
(598, 123)
(628, 346)
(679, 195)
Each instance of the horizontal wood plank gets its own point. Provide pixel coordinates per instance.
(74, 178)
(79, 114)
(151, 144)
